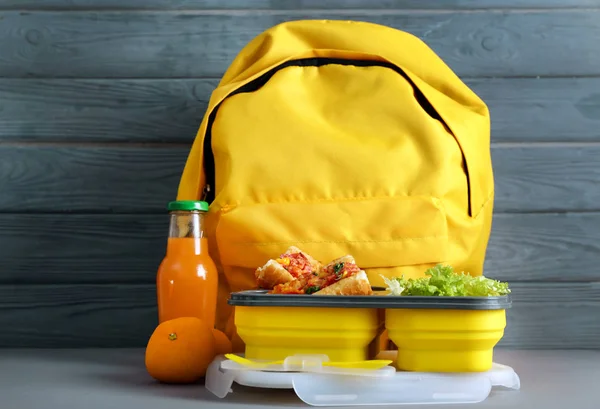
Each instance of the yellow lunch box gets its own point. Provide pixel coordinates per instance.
(446, 334)
(433, 334)
(275, 326)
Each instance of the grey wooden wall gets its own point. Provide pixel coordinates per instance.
(100, 101)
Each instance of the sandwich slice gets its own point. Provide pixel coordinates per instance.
(340, 277)
(292, 264)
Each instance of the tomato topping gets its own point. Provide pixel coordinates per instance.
(296, 264)
(308, 281)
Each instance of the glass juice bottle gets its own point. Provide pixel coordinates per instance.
(187, 277)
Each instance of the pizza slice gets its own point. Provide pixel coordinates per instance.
(340, 277)
(292, 264)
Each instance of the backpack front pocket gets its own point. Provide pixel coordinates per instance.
(379, 232)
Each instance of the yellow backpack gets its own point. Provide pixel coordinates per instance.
(342, 137)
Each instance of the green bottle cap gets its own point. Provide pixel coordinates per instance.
(188, 206)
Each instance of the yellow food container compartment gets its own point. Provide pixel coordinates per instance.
(275, 326)
(446, 334)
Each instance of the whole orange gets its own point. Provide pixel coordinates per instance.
(223, 344)
(180, 350)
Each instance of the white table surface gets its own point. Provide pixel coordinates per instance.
(116, 378)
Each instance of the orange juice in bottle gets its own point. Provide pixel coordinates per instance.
(187, 277)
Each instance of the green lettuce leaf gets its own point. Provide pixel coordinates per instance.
(443, 281)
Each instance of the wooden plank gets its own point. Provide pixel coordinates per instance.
(544, 247)
(547, 178)
(63, 316)
(127, 248)
(542, 109)
(548, 315)
(288, 5)
(52, 178)
(147, 110)
(543, 316)
(94, 248)
(102, 110)
(199, 44)
(64, 178)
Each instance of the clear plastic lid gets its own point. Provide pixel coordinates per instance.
(352, 388)
(408, 388)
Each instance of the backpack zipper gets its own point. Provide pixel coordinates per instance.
(257, 83)
(205, 192)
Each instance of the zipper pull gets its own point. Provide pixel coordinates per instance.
(205, 192)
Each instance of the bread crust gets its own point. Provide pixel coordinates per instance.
(357, 284)
(272, 274)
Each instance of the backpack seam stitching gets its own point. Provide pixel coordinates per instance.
(344, 199)
(340, 241)
(487, 200)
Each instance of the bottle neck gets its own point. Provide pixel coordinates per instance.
(186, 246)
(186, 225)
(186, 234)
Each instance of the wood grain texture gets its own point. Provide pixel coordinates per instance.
(59, 316)
(83, 227)
(289, 4)
(64, 248)
(541, 109)
(544, 247)
(49, 178)
(94, 248)
(107, 179)
(102, 110)
(170, 110)
(548, 315)
(547, 177)
(63, 316)
(199, 44)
